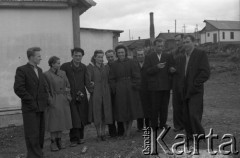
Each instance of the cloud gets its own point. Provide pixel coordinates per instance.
(134, 15)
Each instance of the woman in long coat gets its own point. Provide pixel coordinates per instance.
(125, 81)
(100, 109)
(58, 114)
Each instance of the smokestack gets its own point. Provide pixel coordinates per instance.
(152, 32)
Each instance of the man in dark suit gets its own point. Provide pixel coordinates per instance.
(144, 94)
(113, 130)
(177, 99)
(197, 71)
(158, 65)
(30, 86)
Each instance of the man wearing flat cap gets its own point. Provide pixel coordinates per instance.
(78, 78)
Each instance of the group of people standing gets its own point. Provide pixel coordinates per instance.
(120, 91)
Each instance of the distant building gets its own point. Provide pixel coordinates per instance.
(92, 39)
(52, 25)
(217, 31)
(134, 45)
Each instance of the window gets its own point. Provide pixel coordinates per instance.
(231, 35)
(223, 35)
(208, 34)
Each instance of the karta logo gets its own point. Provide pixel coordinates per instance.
(151, 141)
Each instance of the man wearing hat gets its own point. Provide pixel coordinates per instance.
(78, 78)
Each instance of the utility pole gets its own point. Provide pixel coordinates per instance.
(175, 26)
(184, 28)
(129, 35)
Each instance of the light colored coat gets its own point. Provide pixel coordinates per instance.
(100, 108)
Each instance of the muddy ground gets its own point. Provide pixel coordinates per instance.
(221, 112)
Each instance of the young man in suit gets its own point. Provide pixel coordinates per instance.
(30, 86)
(197, 71)
(159, 66)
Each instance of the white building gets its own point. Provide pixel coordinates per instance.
(52, 25)
(217, 31)
(92, 39)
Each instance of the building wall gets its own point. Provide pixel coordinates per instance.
(205, 38)
(227, 36)
(202, 38)
(50, 29)
(92, 40)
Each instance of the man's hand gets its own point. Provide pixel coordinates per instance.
(161, 65)
(172, 69)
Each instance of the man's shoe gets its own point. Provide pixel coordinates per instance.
(164, 126)
(81, 141)
(54, 146)
(60, 144)
(177, 129)
(73, 144)
(103, 138)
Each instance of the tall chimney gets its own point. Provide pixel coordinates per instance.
(152, 32)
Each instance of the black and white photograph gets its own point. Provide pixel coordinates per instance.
(119, 79)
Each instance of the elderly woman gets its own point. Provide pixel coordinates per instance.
(58, 115)
(125, 81)
(100, 110)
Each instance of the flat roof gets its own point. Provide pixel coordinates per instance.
(103, 30)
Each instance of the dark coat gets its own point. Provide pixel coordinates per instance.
(198, 71)
(125, 80)
(158, 79)
(79, 80)
(144, 93)
(179, 59)
(31, 89)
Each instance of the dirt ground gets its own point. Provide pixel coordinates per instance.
(221, 112)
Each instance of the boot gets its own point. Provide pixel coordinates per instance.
(54, 146)
(60, 144)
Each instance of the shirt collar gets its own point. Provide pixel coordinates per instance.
(32, 65)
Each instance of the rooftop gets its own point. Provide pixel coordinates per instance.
(224, 25)
(103, 30)
(86, 4)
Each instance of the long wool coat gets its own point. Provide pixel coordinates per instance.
(125, 81)
(58, 114)
(78, 79)
(100, 107)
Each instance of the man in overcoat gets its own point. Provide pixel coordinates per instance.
(78, 78)
(143, 92)
(177, 97)
(112, 128)
(197, 71)
(31, 87)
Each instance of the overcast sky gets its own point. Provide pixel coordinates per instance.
(133, 15)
